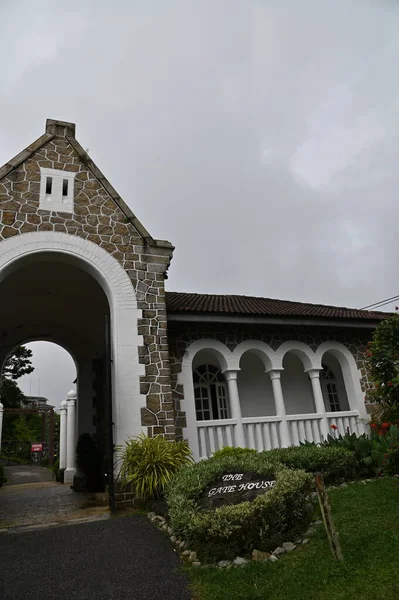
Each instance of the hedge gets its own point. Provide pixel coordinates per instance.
(336, 463)
(279, 515)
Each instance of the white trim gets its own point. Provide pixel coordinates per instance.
(217, 423)
(126, 370)
(56, 201)
(273, 419)
(351, 374)
(303, 417)
(261, 349)
(301, 350)
(210, 318)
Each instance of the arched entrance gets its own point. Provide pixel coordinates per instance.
(61, 288)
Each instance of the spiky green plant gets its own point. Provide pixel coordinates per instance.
(147, 464)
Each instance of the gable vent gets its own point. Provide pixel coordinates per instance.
(56, 190)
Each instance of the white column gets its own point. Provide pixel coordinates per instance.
(285, 437)
(314, 375)
(1, 420)
(71, 438)
(63, 434)
(234, 398)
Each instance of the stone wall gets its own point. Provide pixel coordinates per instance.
(99, 219)
(181, 335)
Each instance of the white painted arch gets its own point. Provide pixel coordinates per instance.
(350, 373)
(107, 271)
(266, 354)
(301, 350)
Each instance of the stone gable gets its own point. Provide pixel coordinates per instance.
(100, 218)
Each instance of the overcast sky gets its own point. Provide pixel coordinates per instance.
(259, 137)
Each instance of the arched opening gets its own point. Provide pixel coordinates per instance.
(255, 387)
(296, 385)
(32, 403)
(333, 385)
(210, 388)
(49, 297)
(54, 373)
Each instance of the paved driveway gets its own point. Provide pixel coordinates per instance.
(27, 474)
(124, 558)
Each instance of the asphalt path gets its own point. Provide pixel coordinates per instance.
(27, 474)
(124, 558)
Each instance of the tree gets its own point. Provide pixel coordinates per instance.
(10, 394)
(18, 363)
(383, 366)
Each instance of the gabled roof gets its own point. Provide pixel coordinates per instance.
(64, 129)
(200, 304)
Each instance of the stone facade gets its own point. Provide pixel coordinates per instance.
(181, 335)
(101, 217)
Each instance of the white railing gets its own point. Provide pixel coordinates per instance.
(262, 433)
(346, 421)
(213, 435)
(306, 427)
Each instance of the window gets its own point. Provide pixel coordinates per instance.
(49, 185)
(65, 187)
(330, 391)
(56, 190)
(210, 393)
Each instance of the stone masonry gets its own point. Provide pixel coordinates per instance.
(181, 335)
(101, 217)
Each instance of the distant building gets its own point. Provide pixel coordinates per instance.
(36, 402)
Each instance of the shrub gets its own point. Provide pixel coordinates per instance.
(280, 514)
(232, 451)
(148, 464)
(336, 464)
(383, 367)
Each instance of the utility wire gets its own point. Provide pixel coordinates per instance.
(381, 303)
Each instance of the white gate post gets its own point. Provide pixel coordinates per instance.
(63, 434)
(1, 420)
(71, 438)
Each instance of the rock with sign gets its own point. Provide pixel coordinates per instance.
(233, 488)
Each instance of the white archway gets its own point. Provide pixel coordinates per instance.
(301, 350)
(350, 373)
(113, 279)
(261, 349)
(185, 378)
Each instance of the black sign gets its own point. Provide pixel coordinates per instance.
(233, 488)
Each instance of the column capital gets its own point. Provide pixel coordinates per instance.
(274, 373)
(314, 373)
(231, 374)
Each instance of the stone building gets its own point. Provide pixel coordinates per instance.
(79, 269)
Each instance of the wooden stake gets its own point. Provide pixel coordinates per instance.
(325, 508)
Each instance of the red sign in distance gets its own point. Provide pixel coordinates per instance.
(36, 448)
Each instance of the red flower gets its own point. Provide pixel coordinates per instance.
(373, 425)
(333, 427)
(385, 424)
(390, 384)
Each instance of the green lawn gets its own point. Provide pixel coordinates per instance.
(367, 518)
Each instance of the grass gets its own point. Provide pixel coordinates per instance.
(367, 518)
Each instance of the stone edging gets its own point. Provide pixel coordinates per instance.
(190, 556)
